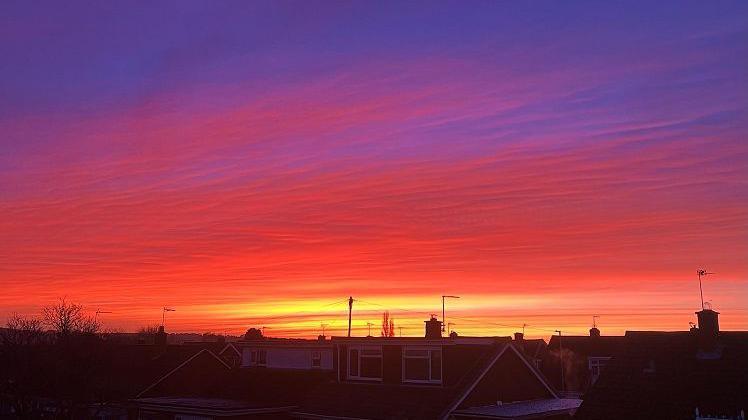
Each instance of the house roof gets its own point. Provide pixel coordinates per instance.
(130, 369)
(205, 406)
(523, 410)
(421, 340)
(401, 401)
(93, 370)
(284, 342)
(660, 375)
(589, 346)
(532, 348)
(230, 347)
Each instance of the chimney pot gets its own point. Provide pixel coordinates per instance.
(518, 336)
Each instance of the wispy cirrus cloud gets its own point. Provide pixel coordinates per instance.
(563, 174)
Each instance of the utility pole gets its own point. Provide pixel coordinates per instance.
(561, 358)
(702, 272)
(369, 324)
(444, 319)
(350, 309)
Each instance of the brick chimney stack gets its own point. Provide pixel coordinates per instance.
(594, 332)
(708, 331)
(433, 328)
(518, 336)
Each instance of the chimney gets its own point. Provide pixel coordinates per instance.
(708, 331)
(160, 339)
(594, 332)
(433, 328)
(518, 336)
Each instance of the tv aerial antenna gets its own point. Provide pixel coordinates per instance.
(702, 273)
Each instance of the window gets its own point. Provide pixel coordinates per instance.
(422, 365)
(596, 365)
(258, 357)
(316, 359)
(365, 362)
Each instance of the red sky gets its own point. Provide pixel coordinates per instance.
(540, 164)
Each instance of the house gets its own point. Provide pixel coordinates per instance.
(579, 360)
(84, 376)
(231, 355)
(536, 350)
(287, 353)
(207, 387)
(430, 377)
(699, 374)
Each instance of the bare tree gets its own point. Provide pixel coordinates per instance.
(147, 330)
(22, 330)
(388, 325)
(66, 318)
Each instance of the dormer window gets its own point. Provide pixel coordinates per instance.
(365, 363)
(422, 365)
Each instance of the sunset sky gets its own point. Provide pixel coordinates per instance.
(255, 163)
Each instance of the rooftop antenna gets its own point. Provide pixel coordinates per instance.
(702, 272)
(263, 330)
(369, 324)
(594, 320)
(323, 328)
(449, 326)
(163, 314)
(523, 329)
(401, 330)
(443, 314)
(99, 311)
(350, 309)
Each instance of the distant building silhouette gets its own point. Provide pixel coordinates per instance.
(582, 358)
(698, 374)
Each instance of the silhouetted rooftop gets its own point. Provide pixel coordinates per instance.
(660, 375)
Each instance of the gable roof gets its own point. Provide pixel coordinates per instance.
(92, 370)
(532, 347)
(230, 346)
(481, 372)
(346, 400)
(182, 365)
(659, 375)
